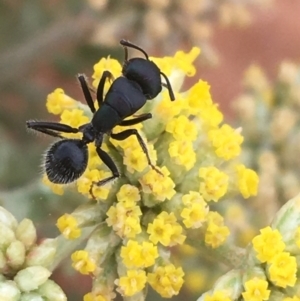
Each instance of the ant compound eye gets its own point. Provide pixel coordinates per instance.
(66, 161)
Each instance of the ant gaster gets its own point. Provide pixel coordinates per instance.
(67, 159)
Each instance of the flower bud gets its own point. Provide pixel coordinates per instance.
(7, 236)
(15, 254)
(26, 233)
(8, 219)
(42, 254)
(31, 278)
(51, 291)
(9, 291)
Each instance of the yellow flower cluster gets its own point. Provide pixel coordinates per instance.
(281, 266)
(148, 210)
(269, 268)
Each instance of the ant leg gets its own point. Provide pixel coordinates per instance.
(100, 90)
(86, 92)
(50, 128)
(125, 44)
(107, 160)
(138, 119)
(125, 134)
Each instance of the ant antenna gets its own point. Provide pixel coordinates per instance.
(128, 44)
(168, 86)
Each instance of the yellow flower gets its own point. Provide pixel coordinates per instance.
(247, 181)
(214, 184)
(136, 255)
(167, 280)
(226, 141)
(149, 253)
(268, 244)
(131, 254)
(132, 283)
(82, 263)
(191, 198)
(161, 186)
(160, 232)
(256, 289)
(282, 270)
(211, 116)
(183, 61)
(106, 64)
(125, 221)
(165, 230)
(129, 195)
(68, 226)
(199, 97)
(195, 215)
(182, 128)
(58, 101)
(215, 234)
(74, 118)
(182, 153)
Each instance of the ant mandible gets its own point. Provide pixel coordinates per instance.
(67, 159)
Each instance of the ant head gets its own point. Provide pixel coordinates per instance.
(144, 72)
(66, 160)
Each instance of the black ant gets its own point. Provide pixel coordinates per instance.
(66, 160)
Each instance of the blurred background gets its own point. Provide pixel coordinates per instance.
(250, 55)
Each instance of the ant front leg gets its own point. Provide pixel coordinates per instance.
(86, 92)
(51, 128)
(107, 160)
(125, 134)
(100, 90)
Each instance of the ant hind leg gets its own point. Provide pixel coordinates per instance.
(125, 134)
